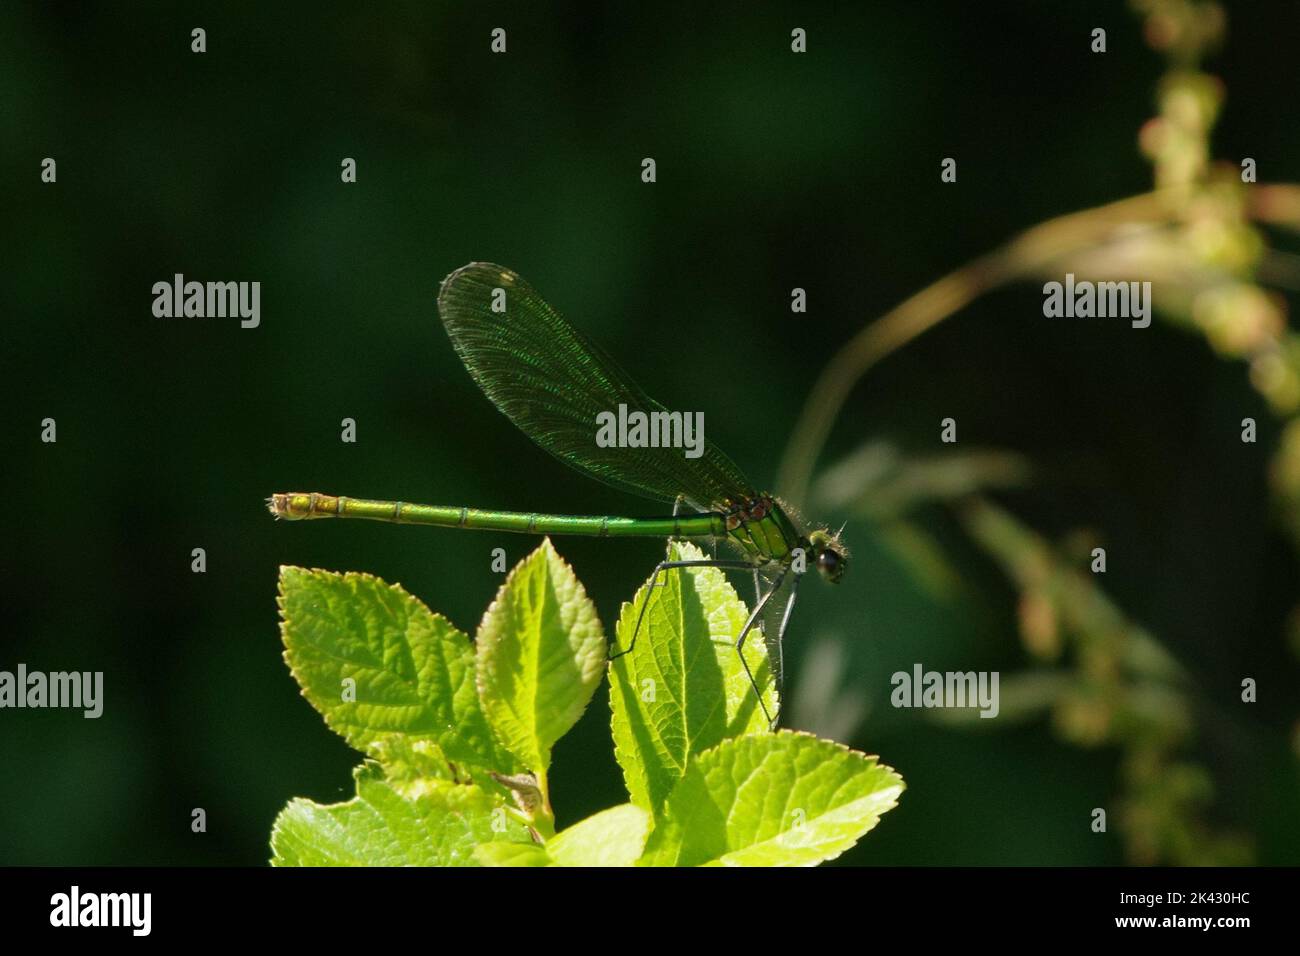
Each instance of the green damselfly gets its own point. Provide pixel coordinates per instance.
(554, 385)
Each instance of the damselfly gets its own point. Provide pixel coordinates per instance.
(555, 385)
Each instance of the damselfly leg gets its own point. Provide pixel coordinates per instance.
(663, 566)
(779, 646)
(754, 619)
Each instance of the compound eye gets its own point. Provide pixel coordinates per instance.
(828, 563)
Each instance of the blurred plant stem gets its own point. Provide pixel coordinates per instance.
(1195, 238)
(1031, 252)
(1152, 234)
(1199, 239)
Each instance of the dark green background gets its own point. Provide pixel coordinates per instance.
(774, 171)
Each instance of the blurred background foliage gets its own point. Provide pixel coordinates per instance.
(775, 170)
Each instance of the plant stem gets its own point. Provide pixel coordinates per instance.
(544, 820)
(1030, 252)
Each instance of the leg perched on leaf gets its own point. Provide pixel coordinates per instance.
(755, 617)
(661, 567)
(780, 648)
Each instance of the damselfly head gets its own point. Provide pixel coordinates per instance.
(829, 554)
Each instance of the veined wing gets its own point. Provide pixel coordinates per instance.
(552, 382)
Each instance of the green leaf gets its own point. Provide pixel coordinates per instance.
(409, 762)
(413, 671)
(511, 854)
(682, 688)
(613, 837)
(786, 799)
(438, 826)
(541, 653)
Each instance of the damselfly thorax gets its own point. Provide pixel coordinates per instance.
(761, 528)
